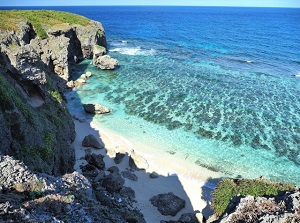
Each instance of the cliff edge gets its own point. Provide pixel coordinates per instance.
(37, 52)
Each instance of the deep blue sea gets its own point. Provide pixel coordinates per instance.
(215, 86)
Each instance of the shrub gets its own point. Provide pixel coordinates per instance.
(229, 188)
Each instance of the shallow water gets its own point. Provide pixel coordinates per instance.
(213, 86)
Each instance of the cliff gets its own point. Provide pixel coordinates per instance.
(37, 52)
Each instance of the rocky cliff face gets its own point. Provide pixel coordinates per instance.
(282, 208)
(35, 125)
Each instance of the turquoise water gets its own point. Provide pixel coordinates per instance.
(213, 86)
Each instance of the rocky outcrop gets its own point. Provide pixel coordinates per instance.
(30, 197)
(168, 204)
(106, 62)
(95, 109)
(119, 158)
(35, 125)
(282, 208)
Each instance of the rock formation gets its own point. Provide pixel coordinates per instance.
(106, 62)
(168, 204)
(282, 208)
(95, 109)
(91, 141)
(35, 125)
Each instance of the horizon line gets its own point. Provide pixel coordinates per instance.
(229, 6)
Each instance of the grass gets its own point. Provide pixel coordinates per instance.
(228, 188)
(39, 19)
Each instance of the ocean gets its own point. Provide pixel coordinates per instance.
(213, 86)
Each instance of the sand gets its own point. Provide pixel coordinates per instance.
(195, 189)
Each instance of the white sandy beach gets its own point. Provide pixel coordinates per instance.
(194, 191)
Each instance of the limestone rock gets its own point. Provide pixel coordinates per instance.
(168, 204)
(98, 51)
(127, 192)
(106, 62)
(113, 182)
(90, 36)
(129, 175)
(96, 160)
(119, 157)
(137, 162)
(95, 109)
(91, 141)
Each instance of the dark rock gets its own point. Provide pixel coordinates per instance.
(113, 169)
(96, 160)
(106, 62)
(190, 218)
(91, 141)
(119, 158)
(127, 192)
(95, 109)
(129, 175)
(153, 175)
(168, 204)
(113, 182)
(132, 164)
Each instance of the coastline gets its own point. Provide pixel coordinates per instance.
(194, 189)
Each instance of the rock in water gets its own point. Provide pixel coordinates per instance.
(91, 141)
(106, 62)
(168, 204)
(95, 109)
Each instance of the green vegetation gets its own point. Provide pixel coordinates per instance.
(55, 94)
(228, 188)
(10, 99)
(39, 19)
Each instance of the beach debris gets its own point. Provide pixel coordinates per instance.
(113, 182)
(96, 160)
(119, 157)
(95, 109)
(129, 175)
(91, 141)
(168, 204)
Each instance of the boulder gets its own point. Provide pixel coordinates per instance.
(153, 175)
(129, 175)
(96, 160)
(91, 141)
(119, 157)
(95, 109)
(106, 62)
(113, 182)
(168, 204)
(137, 162)
(113, 169)
(127, 192)
(98, 51)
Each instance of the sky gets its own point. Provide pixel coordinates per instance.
(244, 3)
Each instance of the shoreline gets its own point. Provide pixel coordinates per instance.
(196, 191)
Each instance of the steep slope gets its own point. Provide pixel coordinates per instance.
(37, 52)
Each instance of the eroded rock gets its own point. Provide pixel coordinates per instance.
(95, 109)
(106, 62)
